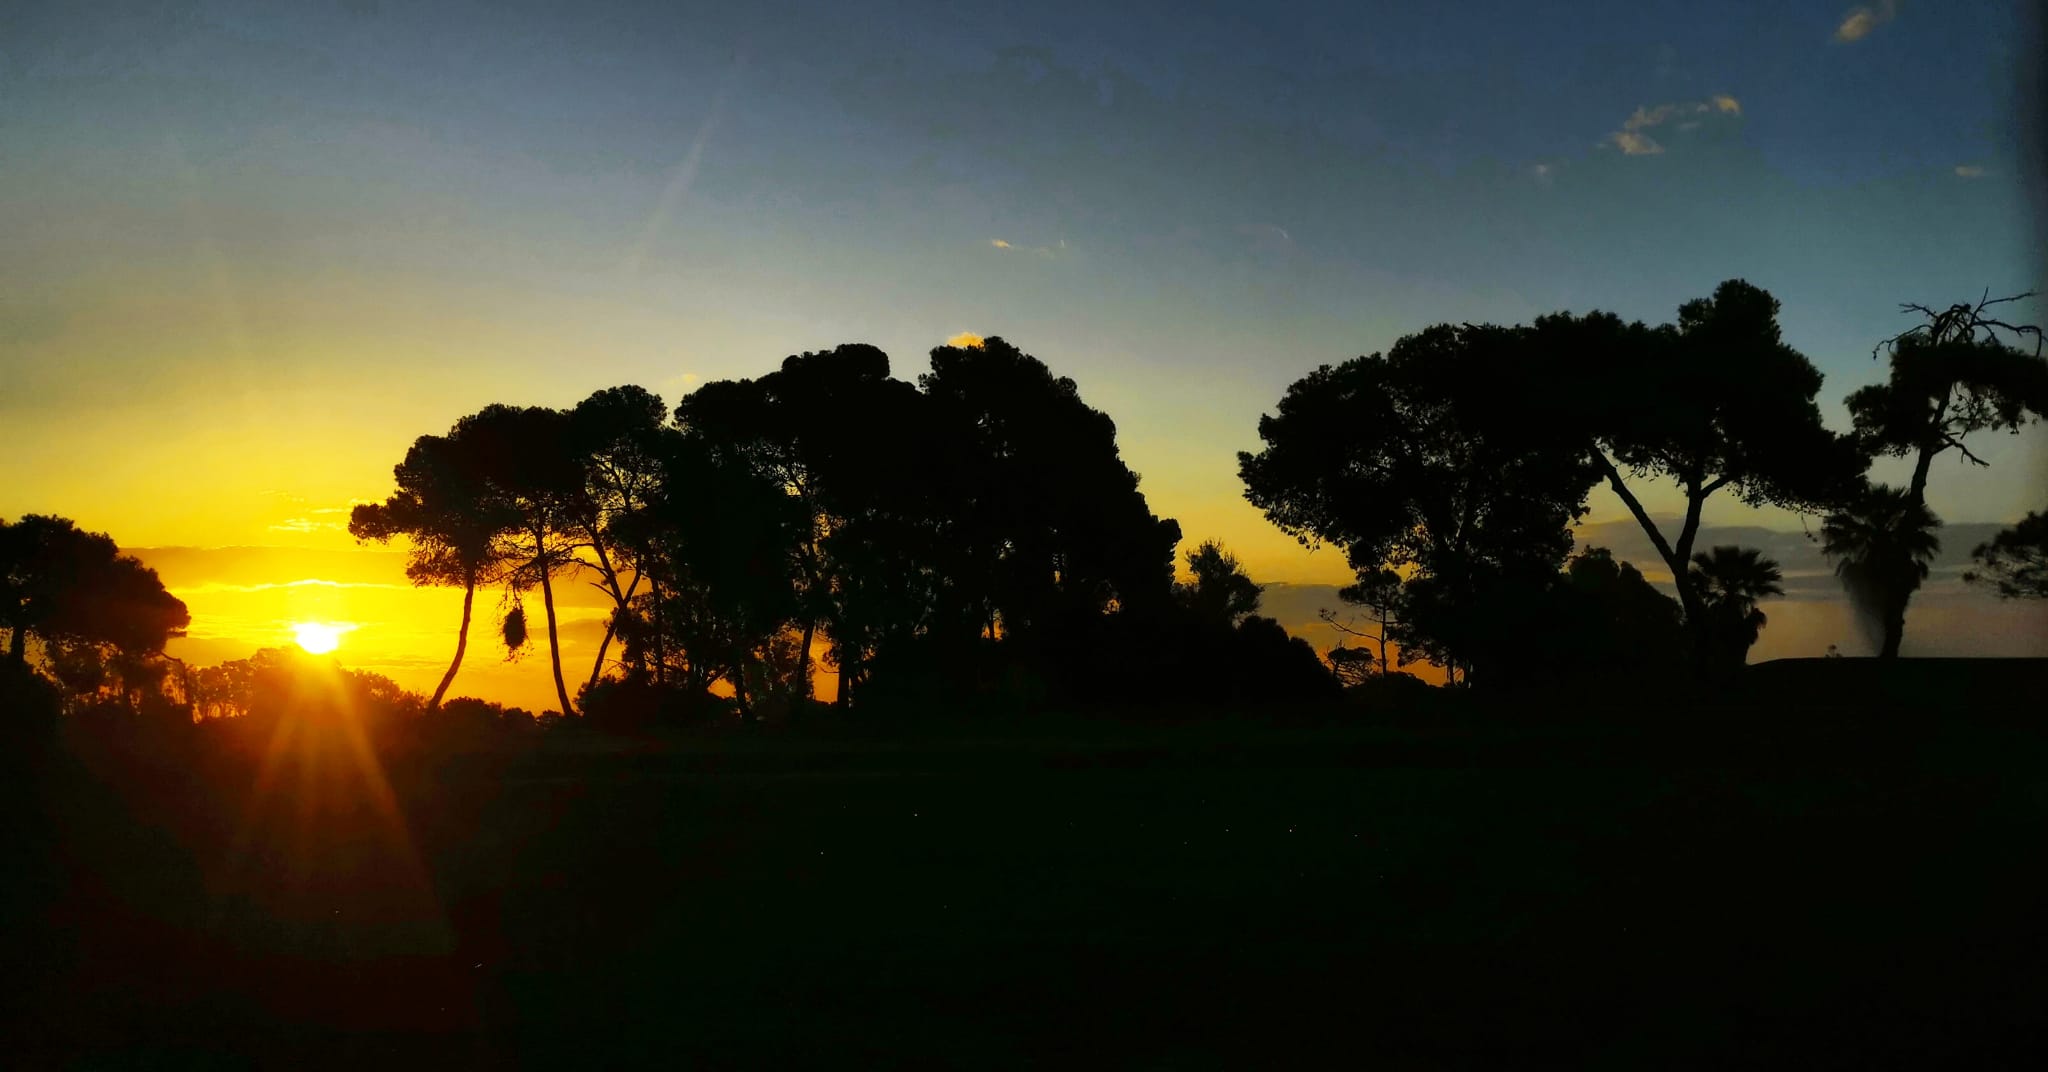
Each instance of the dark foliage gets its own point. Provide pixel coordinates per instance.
(2015, 562)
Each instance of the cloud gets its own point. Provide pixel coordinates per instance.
(1057, 249)
(1633, 140)
(1860, 21)
(1634, 144)
(1969, 171)
(679, 385)
(967, 339)
(306, 524)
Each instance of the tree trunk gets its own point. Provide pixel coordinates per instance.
(611, 628)
(547, 598)
(1894, 629)
(739, 689)
(1384, 668)
(1929, 447)
(804, 690)
(660, 635)
(17, 645)
(849, 668)
(461, 642)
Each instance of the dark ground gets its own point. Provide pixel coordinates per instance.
(1744, 886)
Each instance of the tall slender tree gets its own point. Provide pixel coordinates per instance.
(618, 433)
(455, 521)
(530, 459)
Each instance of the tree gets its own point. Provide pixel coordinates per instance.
(1609, 622)
(454, 519)
(853, 450)
(1881, 545)
(1950, 377)
(1353, 666)
(1730, 581)
(529, 458)
(1219, 590)
(95, 613)
(1429, 460)
(2015, 562)
(721, 540)
(1955, 374)
(1380, 595)
(1043, 537)
(1716, 401)
(618, 435)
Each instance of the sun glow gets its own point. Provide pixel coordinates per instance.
(318, 638)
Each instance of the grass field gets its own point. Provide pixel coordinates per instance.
(1223, 896)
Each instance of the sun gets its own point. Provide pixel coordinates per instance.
(317, 638)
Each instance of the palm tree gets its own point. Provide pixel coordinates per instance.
(1881, 545)
(1730, 581)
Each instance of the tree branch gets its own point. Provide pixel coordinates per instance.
(1958, 444)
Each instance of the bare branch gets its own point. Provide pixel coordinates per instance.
(1958, 444)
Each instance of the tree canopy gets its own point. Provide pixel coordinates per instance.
(2014, 563)
(1428, 460)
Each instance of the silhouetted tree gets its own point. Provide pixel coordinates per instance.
(1730, 581)
(619, 435)
(722, 540)
(1219, 590)
(1353, 666)
(852, 449)
(99, 616)
(1951, 376)
(1380, 595)
(1716, 401)
(1610, 623)
(1429, 458)
(2015, 562)
(1042, 499)
(1881, 545)
(454, 519)
(532, 464)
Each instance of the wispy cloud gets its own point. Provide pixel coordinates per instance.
(967, 339)
(1859, 22)
(679, 385)
(306, 524)
(1634, 139)
(1054, 250)
(1969, 171)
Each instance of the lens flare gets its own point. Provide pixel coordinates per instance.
(317, 638)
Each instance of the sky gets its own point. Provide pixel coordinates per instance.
(248, 252)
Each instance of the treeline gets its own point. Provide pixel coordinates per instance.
(1450, 468)
(973, 538)
(974, 541)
